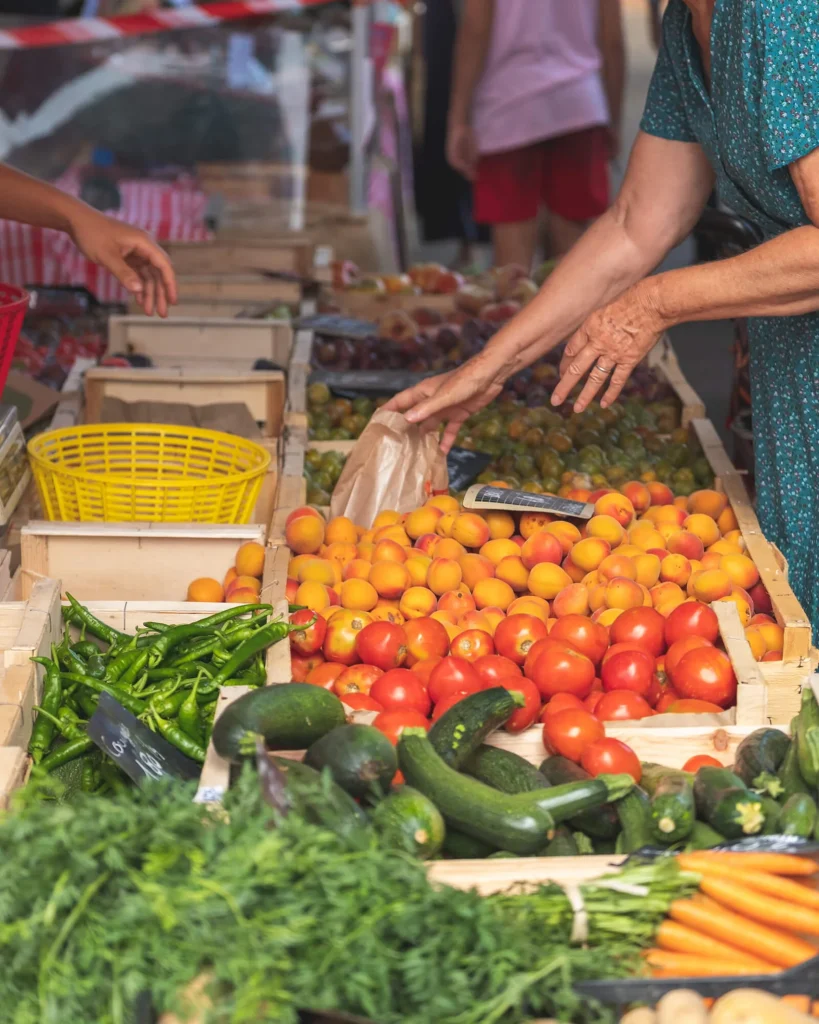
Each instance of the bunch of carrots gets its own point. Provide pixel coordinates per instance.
(749, 917)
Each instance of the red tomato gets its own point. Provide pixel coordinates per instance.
(622, 705)
(629, 670)
(590, 638)
(423, 669)
(361, 702)
(493, 667)
(562, 669)
(523, 717)
(706, 674)
(593, 699)
(325, 674)
(560, 702)
(693, 764)
(307, 641)
(693, 707)
(401, 690)
(449, 701)
(570, 732)
(357, 679)
(301, 666)
(516, 635)
(618, 649)
(398, 779)
(535, 652)
(642, 626)
(611, 757)
(393, 723)
(472, 644)
(452, 675)
(691, 618)
(426, 638)
(681, 647)
(382, 644)
(669, 696)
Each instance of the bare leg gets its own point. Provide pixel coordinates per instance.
(515, 243)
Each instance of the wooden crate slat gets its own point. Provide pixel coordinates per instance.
(248, 288)
(752, 692)
(663, 360)
(299, 372)
(225, 255)
(13, 771)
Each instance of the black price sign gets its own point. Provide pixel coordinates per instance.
(503, 498)
(338, 325)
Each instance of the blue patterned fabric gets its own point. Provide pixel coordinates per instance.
(760, 114)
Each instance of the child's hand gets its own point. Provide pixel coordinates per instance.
(131, 255)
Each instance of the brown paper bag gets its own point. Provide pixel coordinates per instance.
(394, 465)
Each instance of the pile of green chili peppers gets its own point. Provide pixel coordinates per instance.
(168, 676)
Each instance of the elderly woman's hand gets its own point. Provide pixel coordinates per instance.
(608, 346)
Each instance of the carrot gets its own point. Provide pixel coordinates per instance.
(774, 885)
(686, 965)
(762, 908)
(774, 946)
(773, 863)
(679, 938)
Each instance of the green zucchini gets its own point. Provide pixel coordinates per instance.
(672, 809)
(703, 837)
(507, 822)
(584, 844)
(725, 802)
(460, 846)
(504, 770)
(409, 821)
(600, 823)
(460, 731)
(562, 845)
(634, 812)
(767, 784)
(654, 774)
(761, 753)
(360, 759)
(771, 810)
(790, 777)
(604, 847)
(287, 717)
(807, 737)
(798, 816)
(319, 800)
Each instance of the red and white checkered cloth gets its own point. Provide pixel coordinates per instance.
(170, 211)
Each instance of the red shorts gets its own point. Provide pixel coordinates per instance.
(568, 175)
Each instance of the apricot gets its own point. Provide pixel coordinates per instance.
(340, 530)
(305, 535)
(686, 543)
(756, 641)
(494, 616)
(724, 547)
(389, 579)
(493, 593)
(643, 535)
(417, 566)
(607, 616)
(704, 527)
(451, 629)
(475, 567)
(541, 547)
(358, 569)
(667, 531)
(638, 494)
(589, 553)
(622, 592)
(681, 502)
(444, 525)
(630, 551)
(358, 595)
(531, 522)
(744, 604)
(395, 533)
(647, 568)
(496, 550)
(472, 530)
(417, 603)
(389, 551)
(617, 565)
(665, 591)
(546, 580)
(740, 569)
(735, 537)
(774, 635)
(303, 510)
(660, 493)
(709, 585)
(365, 550)
(575, 573)
(727, 521)
(314, 596)
(422, 521)
(449, 548)
(458, 602)
(318, 570)
(529, 605)
(367, 537)
(572, 600)
(444, 502)
(444, 574)
(427, 543)
(567, 533)
(242, 595)
(513, 571)
(341, 552)
(615, 505)
(675, 569)
(710, 560)
(387, 611)
(597, 595)
(501, 524)
(669, 515)
(607, 528)
(207, 590)
(231, 574)
(761, 598)
(476, 620)
(707, 502)
(291, 586)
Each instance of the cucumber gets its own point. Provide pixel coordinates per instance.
(654, 774)
(760, 753)
(771, 810)
(319, 800)
(460, 731)
(798, 816)
(460, 846)
(360, 758)
(507, 822)
(725, 802)
(504, 770)
(287, 717)
(634, 812)
(562, 845)
(602, 822)
(789, 776)
(672, 809)
(807, 738)
(703, 837)
(409, 821)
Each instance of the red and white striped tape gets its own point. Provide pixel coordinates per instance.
(87, 30)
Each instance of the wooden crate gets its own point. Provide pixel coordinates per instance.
(223, 309)
(247, 288)
(299, 372)
(370, 306)
(203, 343)
(225, 255)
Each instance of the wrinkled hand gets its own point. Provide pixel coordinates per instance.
(615, 338)
(462, 150)
(452, 397)
(131, 255)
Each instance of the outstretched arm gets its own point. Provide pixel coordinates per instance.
(471, 48)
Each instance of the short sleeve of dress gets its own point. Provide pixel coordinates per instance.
(790, 83)
(665, 115)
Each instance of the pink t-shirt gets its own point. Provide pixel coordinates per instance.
(542, 77)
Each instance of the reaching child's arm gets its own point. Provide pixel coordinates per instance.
(131, 255)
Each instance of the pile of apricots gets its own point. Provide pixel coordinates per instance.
(616, 605)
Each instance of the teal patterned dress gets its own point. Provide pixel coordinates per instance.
(760, 115)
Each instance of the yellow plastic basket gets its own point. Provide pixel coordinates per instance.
(125, 472)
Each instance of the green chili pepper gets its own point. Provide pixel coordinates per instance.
(86, 649)
(121, 664)
(67, 729)
(168, 705)
(129, 702)
(90, 774)
(42, 734)
(173, 734)
(71, 661)
(260, 641)
(176, 634)
(134, 670)
(96, 667)
(188, 670)
(189, 715)
(112, 777)
(101, 630)
(67, 752)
